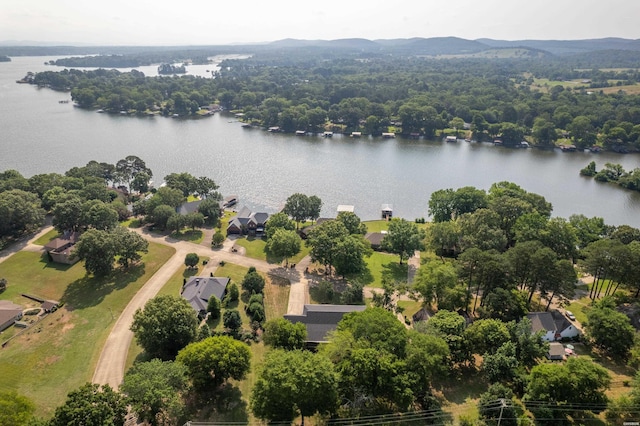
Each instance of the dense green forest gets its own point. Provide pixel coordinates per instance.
(316, 89)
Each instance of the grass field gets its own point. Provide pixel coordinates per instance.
(192, 235)
(60, 353)
(376, 225)
(44, 239)
(383, 266)
(256, 249)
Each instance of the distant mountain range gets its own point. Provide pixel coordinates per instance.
(458, 46)
(435, 46)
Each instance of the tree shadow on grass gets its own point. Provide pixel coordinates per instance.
(189, 235)
(224, 404)
(90, 291)
(47, 264)
(189, 272)
(365, 277)
(393, 272)
(213, 323)
(142, 357)
(464, 385)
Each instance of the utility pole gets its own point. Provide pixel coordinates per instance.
(503, 404)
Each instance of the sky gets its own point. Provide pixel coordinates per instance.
(207, 22)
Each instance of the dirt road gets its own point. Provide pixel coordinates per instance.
(110, 368)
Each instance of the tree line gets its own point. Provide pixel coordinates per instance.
(376, 94)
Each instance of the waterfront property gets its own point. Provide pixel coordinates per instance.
(375, 239)
(247, 222)
(188, 208)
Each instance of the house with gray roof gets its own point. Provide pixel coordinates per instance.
(320, 320)
(198, 290)
(246, 222)
(9, 314)
(553, 324)
(188, 208)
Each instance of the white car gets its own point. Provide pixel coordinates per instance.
(570, 315)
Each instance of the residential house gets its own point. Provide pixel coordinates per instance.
(375, 239)
(247, 222)
(188, 208)
(60, 249)
(9, 314)
(198, 290)
(553, 324)
(320, 320)
(304, 232)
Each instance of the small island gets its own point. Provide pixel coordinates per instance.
(4, 58)
(168, 69)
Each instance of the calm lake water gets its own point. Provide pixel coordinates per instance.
(38, 135)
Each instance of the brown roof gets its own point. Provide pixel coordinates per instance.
(60, 242)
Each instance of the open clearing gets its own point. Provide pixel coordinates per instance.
(73, 336)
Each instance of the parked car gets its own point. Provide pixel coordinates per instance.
(570, 315)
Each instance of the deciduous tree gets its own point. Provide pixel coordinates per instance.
(294, 383)
(15, 410)
(154, 390)
(165, 325)
(214, 360)
(283, 334)
(93, 405)
(284, 244)
(403, 238)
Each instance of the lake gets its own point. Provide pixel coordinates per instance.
(41, 135)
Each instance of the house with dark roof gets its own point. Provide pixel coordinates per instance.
(304, 232)
(9, 314)
(188, 208)
(247, 222)
(60, 249)
(553, 324)
(198, 290)
(320, 320)
(375, 239)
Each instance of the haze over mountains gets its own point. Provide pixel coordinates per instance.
(412, 46)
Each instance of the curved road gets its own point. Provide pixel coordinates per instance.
(110, 368)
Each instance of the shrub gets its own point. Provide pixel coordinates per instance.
(217, 240)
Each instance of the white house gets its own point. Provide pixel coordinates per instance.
(554, 325)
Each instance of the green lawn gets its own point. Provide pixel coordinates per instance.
(192, 235)
(384, 266)
(44, 239)
(376, 225)
(60, 353)
(174, 285)
(410, 307)
(256, 249)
